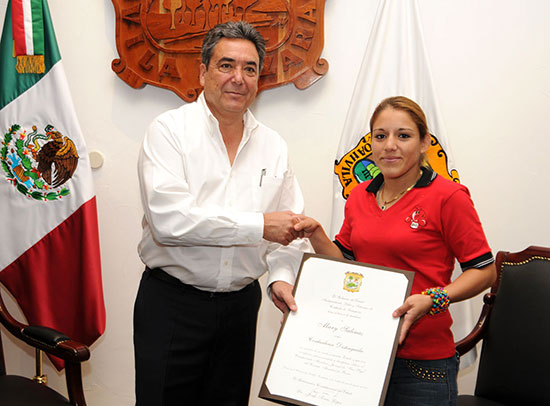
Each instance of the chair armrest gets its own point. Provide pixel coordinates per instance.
(480, 329)
(55, 343)
(46, 339)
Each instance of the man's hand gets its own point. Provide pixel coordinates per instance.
(414, 308)
(281, 293)
(279, 227)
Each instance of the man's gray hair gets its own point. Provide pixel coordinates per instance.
(233, 30)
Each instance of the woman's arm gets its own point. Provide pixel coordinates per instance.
(472, 282)
(313, 230)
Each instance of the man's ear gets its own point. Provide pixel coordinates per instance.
(202, 72)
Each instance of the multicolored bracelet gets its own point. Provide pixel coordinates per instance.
(440, 299)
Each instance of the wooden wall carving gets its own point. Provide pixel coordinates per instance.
(159, 41)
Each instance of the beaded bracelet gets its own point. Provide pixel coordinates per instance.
(440, 299)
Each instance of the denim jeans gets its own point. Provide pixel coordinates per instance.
(423, 382)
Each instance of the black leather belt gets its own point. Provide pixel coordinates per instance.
(158, 273)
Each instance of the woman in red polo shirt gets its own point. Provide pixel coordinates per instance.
(410, 218)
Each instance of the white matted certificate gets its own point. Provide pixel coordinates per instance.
(338, 348)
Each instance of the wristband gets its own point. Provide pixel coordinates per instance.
(440, 299)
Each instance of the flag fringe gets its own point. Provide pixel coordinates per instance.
(30, 64)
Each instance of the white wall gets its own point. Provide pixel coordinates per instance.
(491, 65)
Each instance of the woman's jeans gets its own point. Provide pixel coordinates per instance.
(423, 382)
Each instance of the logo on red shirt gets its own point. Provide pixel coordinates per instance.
(417, 218)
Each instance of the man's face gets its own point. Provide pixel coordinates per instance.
(231, 80)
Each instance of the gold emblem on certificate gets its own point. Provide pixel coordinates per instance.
(352, 281)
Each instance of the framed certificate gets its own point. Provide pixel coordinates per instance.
(338, 348)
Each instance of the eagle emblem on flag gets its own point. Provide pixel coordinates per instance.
(38, 165)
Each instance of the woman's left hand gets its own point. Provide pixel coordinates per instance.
(414, 308)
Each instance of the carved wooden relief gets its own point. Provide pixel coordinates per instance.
(159, 41)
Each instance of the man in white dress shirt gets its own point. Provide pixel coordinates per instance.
(220, 200)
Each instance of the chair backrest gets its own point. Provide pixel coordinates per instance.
(2, 361)
(515, 354)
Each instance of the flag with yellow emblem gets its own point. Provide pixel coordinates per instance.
(395, 63)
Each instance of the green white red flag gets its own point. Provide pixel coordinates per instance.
(49, 245)
(28, 35)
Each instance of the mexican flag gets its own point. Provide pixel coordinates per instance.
(49, 245)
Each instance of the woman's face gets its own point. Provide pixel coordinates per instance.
(396, 145)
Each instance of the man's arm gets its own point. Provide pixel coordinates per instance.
(170, 207)
(283, 299)
(284, 261)
(279, 227)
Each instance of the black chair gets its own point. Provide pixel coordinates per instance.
(515, 328)
(17, 390)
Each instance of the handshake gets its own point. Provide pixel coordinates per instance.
(284, 227)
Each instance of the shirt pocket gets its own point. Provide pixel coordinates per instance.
(266, 196)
